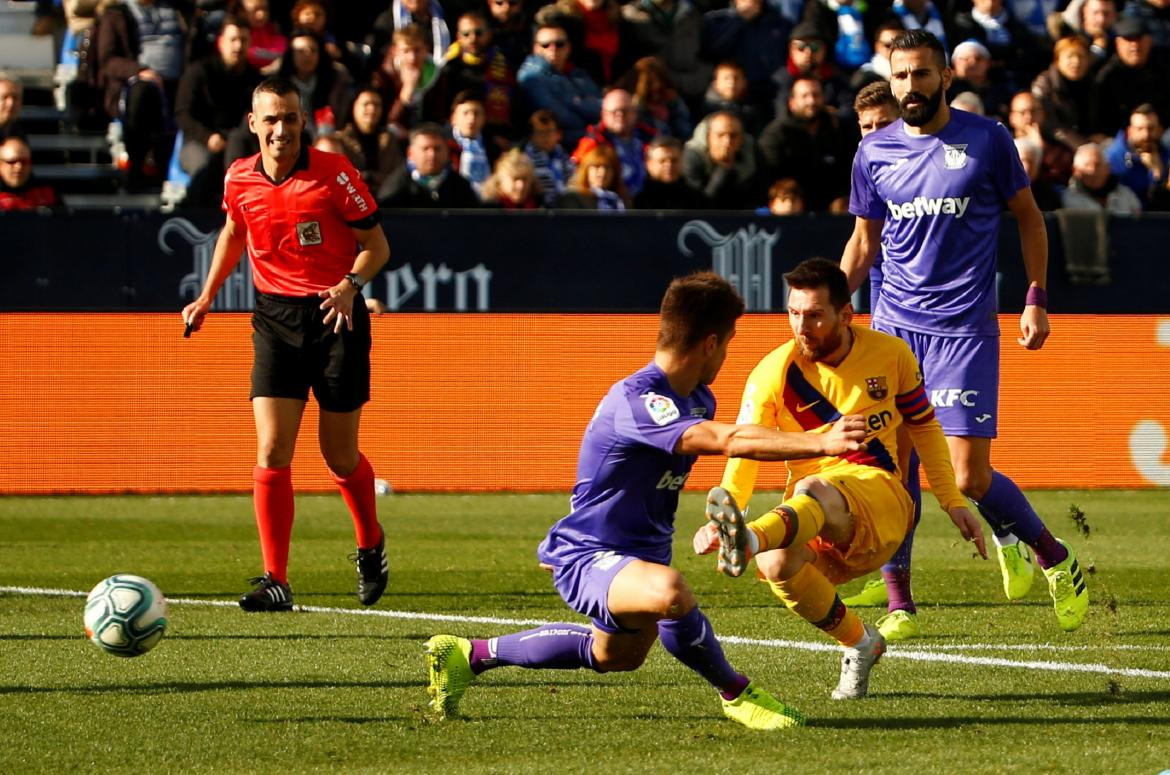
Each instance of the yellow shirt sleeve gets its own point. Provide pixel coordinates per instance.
(926, 433)
(758, 407)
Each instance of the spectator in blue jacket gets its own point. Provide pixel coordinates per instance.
(551, 82)
(1138, 157)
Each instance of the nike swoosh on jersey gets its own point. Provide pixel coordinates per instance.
(806, 407)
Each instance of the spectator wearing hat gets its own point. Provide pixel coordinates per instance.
(808, 56)
(843, 25)
(1128, 79)
(971, 62)
(1155, 17)
(751, 33)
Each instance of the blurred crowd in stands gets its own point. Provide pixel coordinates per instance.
(602, 105)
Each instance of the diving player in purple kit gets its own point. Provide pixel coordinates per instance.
(929, 191)
(610, 557)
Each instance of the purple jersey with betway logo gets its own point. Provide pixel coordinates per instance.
(942, 197)
(628, 476)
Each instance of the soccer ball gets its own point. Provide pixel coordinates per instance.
(125, 615)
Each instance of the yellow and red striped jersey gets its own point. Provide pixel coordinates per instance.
(879, 378)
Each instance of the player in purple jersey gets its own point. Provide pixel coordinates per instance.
(929, 191)
(610, 557)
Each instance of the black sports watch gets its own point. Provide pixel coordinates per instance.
(356, 280)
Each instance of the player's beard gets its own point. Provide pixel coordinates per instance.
(921, 114)
(818, 351)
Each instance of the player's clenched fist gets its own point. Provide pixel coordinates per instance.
(846, 435)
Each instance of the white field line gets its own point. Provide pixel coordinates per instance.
(920, 653)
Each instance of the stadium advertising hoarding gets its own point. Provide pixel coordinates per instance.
(120, 402)
(533, 262)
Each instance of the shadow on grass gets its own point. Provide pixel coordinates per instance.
(189, 687)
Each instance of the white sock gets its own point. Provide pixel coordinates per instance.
(753, 542)
(1007, 540)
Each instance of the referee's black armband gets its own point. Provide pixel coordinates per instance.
(369, 222)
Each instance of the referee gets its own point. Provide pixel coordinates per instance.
(303, 214)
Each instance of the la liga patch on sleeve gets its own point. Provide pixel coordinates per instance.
(661, 408)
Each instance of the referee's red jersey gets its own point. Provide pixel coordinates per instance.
(299, 230)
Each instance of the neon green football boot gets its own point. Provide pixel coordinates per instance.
(448, 672)
(873, 594)
(1070, 595)
(899, 625)
(756, 709)
(1017, 568)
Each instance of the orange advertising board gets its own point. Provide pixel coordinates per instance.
(101, 403)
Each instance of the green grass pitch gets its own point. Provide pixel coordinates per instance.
(227, 691)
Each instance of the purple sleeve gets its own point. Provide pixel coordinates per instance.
(1008, 174)
(653, 420)
(863, 197)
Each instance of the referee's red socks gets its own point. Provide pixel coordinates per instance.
(272, 494)
(358, 491)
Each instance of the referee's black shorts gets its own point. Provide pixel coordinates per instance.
(295, 350)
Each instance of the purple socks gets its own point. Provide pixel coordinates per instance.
(1007, 511)
(569, 646)
(557, 646)
(691, 640)
(896, 572)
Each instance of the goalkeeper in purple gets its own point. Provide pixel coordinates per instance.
(929, 191)
(610, 557)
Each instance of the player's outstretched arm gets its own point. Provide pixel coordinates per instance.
(229, 247)
(861, 250)
(756, 442)
(1034, 327)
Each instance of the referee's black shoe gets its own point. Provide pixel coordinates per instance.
(373, 571)
(269, 595)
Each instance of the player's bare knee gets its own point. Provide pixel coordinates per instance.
(274, 454)
(824, 493)
(779, 564)
(671, 596)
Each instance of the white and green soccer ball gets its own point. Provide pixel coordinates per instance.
(125, 615)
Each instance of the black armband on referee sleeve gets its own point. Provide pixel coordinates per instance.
(369, 222)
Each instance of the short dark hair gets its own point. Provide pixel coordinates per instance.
(696, 306)
(467, 95)
(821, 273)
(1148, 110)
(278, 85)
(876, 95)
(665, 141)
(920, 38)
(427, 129)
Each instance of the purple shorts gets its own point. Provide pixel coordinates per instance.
(584, 586)
(962, 379)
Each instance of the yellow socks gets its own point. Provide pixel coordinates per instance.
(793, 523)
(813, 598)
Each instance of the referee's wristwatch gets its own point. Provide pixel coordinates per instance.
(355, 280)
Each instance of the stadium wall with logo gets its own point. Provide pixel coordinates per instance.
(544, 262)
(122, 403)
